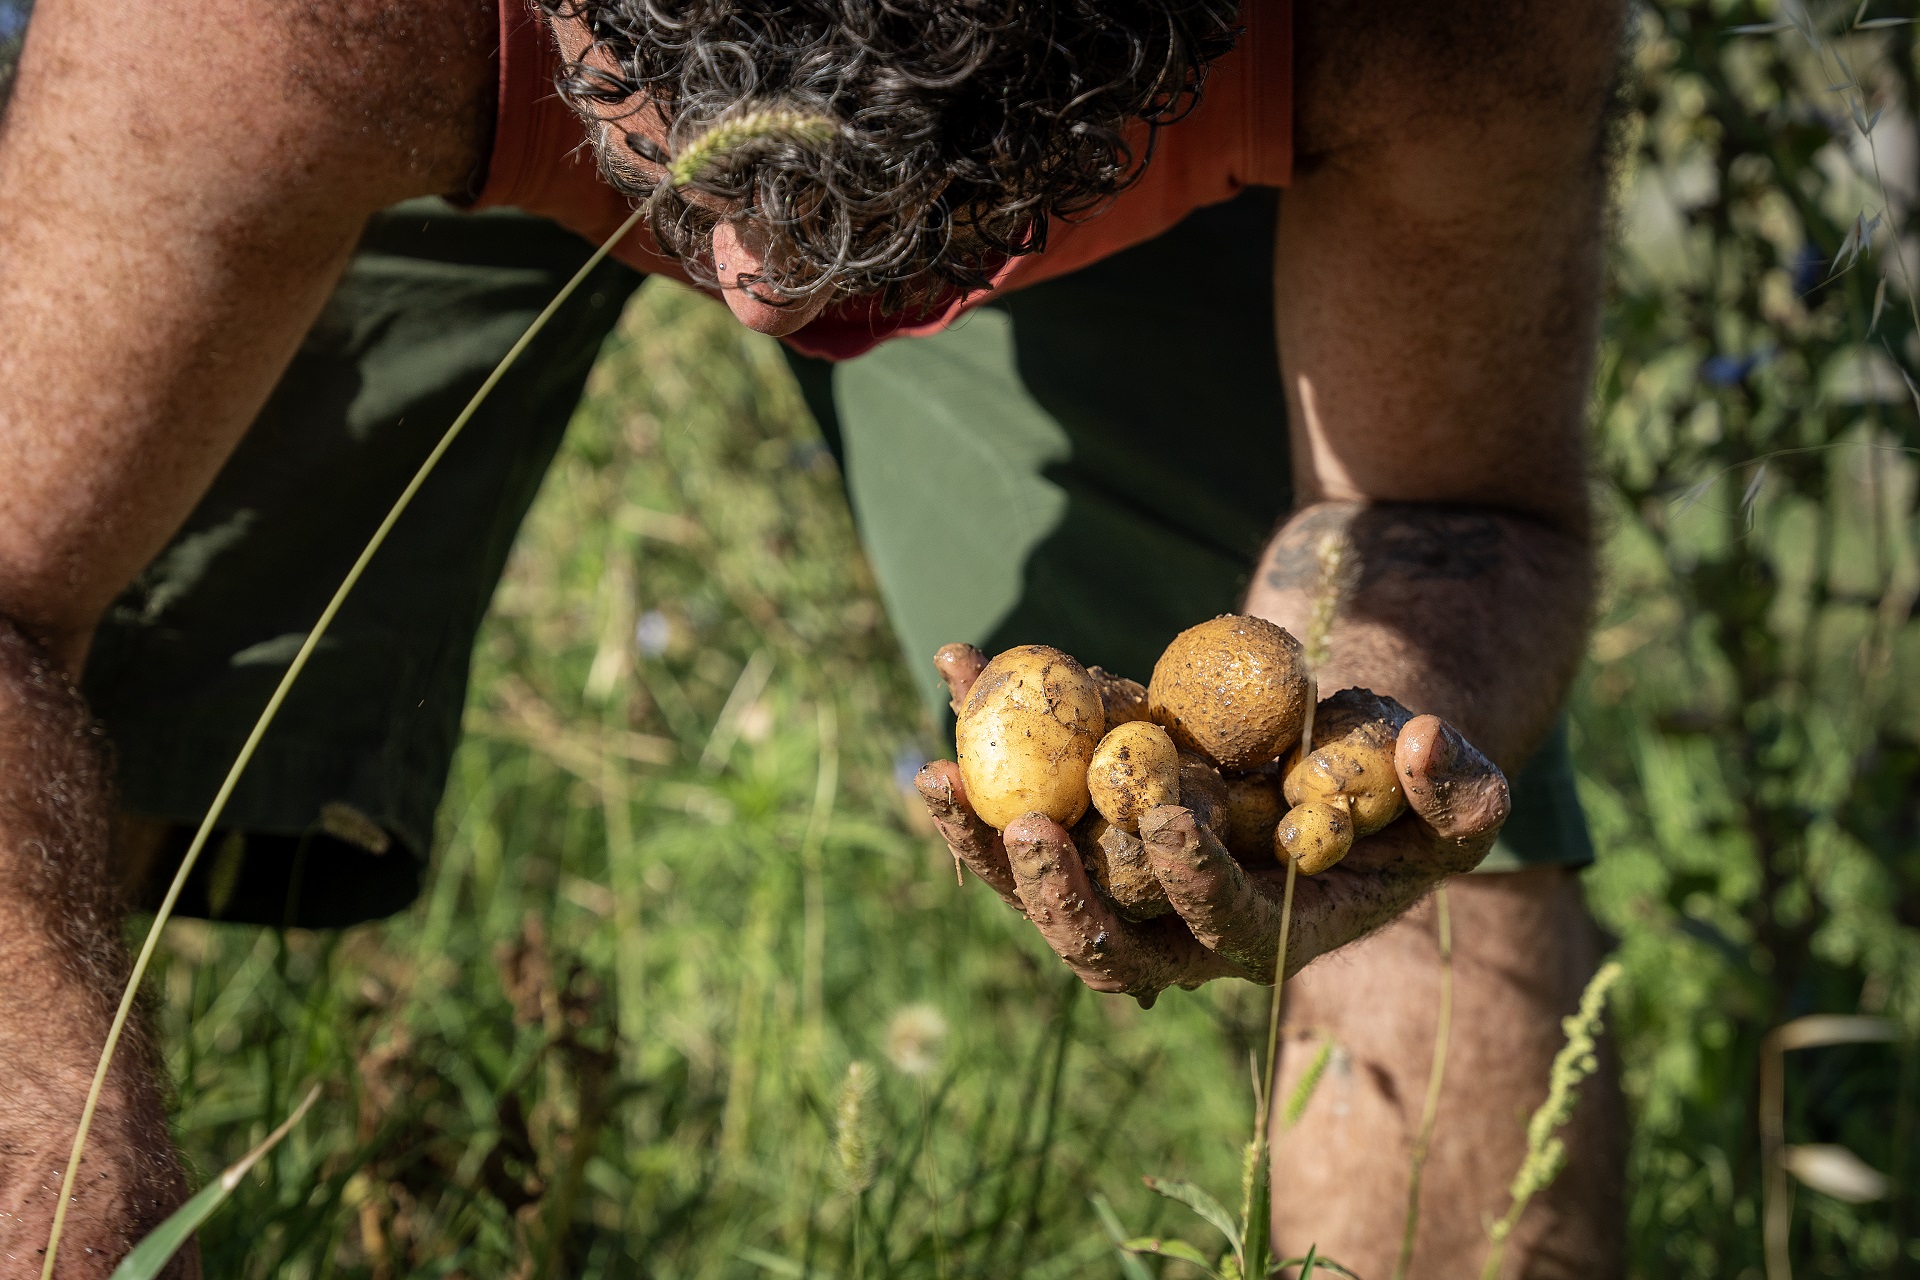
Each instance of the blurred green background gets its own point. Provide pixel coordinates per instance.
(679, 890)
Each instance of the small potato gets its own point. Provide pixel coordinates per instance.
(1117, 862)
(1314, 835)
(1254, 809)
(1233, 689)
(1203, 792)
(1123, 699)
(1029, 727)
(1134, 769)
(1354, 733)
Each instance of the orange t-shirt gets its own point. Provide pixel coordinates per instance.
(1240, 135)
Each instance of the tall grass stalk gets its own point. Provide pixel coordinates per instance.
(622, 854)
(933, 1180)
(853, 1148)
(1546, 1153)
(1430, 1110)
(814, 926)
(1332, 556)
(1256, 1211)
(272, 709)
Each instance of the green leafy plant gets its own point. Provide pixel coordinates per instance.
(1746, 732)
(1246, 1253)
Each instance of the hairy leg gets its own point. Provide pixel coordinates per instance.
(61, 970)
(1523, 948)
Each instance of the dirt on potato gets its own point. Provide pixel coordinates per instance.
(1124, 700)
(1135, 768)
(1254, 808)
(1116, 862)
(1315, 835)
(1354, 732)
(1233, 689)
(1203, 792)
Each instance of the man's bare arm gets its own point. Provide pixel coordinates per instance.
(1440, 356)
(1436, 290)
(180, 187)
(1438, 365)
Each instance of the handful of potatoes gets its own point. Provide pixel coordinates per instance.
(1217, 730)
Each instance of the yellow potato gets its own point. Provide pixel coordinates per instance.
(1315, 835)
(1134, 769)
(1123, 699)
(1354, 732)
(1030, 725)
(1233, 689)
(1254, 809)
(1116, 861)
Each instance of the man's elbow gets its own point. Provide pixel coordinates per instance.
(62, 645)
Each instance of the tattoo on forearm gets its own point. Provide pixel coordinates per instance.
(1405, 540)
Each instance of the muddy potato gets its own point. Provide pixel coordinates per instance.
(1233, 689)
(1117, 862)
(1316, 835)
(1254, 809)
(1029, 727)
(1203, 792)
(1134, 769)
(1121, 698)
(1354, 732)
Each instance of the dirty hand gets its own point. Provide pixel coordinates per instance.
(1227, 918)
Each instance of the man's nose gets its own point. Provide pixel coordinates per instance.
(739, 249)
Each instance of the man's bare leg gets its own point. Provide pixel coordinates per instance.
(62, 967)
(1523, 949)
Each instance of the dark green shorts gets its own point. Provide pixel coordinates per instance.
(1095, 464)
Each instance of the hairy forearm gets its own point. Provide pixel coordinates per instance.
(1467, 613)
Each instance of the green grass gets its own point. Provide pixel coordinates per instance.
(611, 1038)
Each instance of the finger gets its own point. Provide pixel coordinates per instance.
(1227, 910)
(959, 665)
(1458, 795)
(971, 840)
(1104, 951)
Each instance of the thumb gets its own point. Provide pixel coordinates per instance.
(1458, 794)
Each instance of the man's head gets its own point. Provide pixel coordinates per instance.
(929, 140)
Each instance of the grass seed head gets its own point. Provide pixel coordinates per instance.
(853, 1149)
